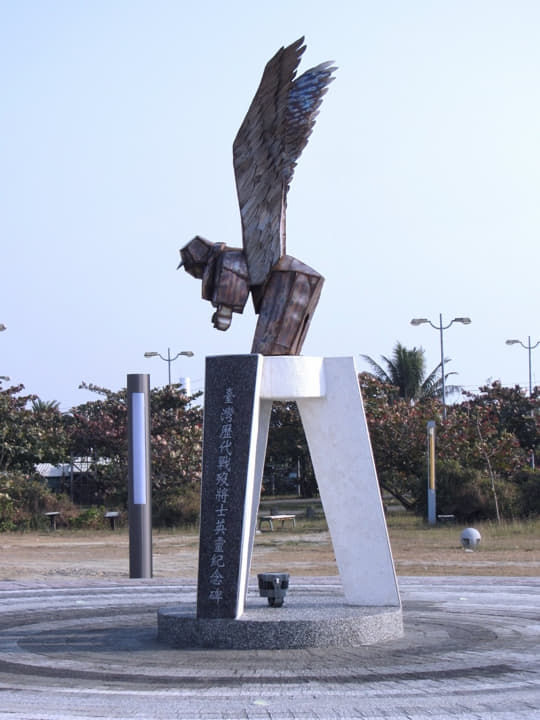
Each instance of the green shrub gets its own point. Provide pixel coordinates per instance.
(24, 500)
(92, 518)
(527, 483)
(177, 510)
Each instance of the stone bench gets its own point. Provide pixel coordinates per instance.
(112, 517)
(270, 520)
(52, 519)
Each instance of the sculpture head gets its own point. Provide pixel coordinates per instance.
(195, 256)
(224, 275)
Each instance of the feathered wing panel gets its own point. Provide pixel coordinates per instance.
(272, 136)
(258, 156)
(305, 98)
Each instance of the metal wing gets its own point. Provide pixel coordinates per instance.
(305, 98)
(272, 136)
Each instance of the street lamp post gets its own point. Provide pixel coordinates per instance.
(440, 327)
(528, 347)
(169, 359)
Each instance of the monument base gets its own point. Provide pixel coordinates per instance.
(324, 621)
(239, 392)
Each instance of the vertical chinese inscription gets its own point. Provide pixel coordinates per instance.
(222, 483)
(228, 423)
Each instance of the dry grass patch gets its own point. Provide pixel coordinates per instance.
(508, 549)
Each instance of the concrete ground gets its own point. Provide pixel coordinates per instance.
(85, 648)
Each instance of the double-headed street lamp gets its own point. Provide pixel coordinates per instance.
(169, 359)
(528, 347)
(440, 327)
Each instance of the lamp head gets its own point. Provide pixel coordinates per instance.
(463, 320)
(419, 321)
(150, 354)
(512, 342)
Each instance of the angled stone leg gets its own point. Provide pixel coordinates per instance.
(337, 434)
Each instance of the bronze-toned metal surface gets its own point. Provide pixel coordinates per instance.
(266, 149)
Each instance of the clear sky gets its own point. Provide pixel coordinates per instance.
(418, 194)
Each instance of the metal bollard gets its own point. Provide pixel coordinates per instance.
(273, 586)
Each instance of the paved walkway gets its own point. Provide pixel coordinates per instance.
(88, 650)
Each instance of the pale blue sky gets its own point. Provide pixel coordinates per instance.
(418, 194)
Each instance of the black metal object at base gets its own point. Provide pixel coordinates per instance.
(273, 586)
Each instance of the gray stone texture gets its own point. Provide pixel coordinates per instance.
(303, 623)
(79, 649)
(228, 419)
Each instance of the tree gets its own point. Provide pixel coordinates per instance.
(513, 411)
(99, 431)
(405, 370)
(287, 450)
(50, 430)
(398, 437)
(44, 406)
(19, 446)
(176, 455)
(481, 463)
(30, 432)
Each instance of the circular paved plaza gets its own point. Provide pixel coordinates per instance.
(471, 649)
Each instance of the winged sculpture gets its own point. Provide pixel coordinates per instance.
(271, 138)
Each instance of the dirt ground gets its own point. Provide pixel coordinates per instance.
(105, 554)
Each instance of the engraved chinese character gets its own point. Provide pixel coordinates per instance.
(216, 594)
(226, 430)
(227, 414)
(217, 561)
(222, 495)
(224, 462)
(229, 395)
(221, 511)
(219, 544)
(226, 447)
(220, 528)
(216, 578)
(222, 479)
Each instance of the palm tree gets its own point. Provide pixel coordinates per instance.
(406, 370)
(44, 406)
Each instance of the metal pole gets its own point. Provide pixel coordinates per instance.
(139, 477)
(529, 347)
(431, 496)
(533, 459)
(442, 368)
(440, 327)
(169, 363)
(530, 367)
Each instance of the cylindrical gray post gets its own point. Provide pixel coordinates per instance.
(139, 477)
(431, 492)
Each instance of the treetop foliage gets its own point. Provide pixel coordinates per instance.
(404, 373)
(485, 446)
(33, 432)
